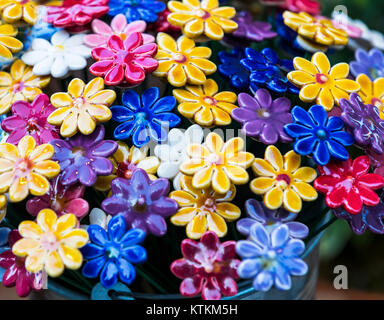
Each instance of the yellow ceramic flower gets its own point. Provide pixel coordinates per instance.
(3, 207)
(15, 10)
(318, 30)
(51, 243)
(205, 105)
(217, 164)
(202, 209)
(282, 181)
(125, 160)
(372, 92)
(82, 107)
(181, 62)
(318, 81)
(8, 43)
(19, 84)
(25, 168)
(202, 17)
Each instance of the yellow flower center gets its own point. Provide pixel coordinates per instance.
(321, 78)
(49, 241)
(180, 58)
(59, 47)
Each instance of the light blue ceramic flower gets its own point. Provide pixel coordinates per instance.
(146, 10)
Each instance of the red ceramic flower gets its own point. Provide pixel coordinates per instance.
(310, 6)
(15, 272)
(31, 119)
(73, 13)
(124, 61)
(162, 24)
(208, 267)
(61, 199)
(349, 184)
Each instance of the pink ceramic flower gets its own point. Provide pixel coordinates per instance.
(31, 119)
(119, 26)
(74, 13)
(61, 199)
(15, 272)
(124, 61)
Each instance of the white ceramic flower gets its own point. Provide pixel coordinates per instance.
(63, 54)
(173, 153)
(99, 217)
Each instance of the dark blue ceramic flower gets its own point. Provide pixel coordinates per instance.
(268, 71)
(371, 63)
(318, 135)
(258, 213)
(111, 253)
(145, 117)
(146, 10)
(270, 258)
(231, 68)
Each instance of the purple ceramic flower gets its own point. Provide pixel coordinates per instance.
(258, 213)
(252, 30)
(364, 122)
(83, 158)
(143, 203)
(263, 118)
(371, 63)
(377, 162)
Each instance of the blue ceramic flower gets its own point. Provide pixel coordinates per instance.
(258, 213)
(112, 253)
(270, 258)
(231, 68)
(146, 10)
(268, 71)
(371, 63)
(145, 117)
(318, 135)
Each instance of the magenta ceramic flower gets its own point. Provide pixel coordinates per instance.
(119, 26)
(124, 61)
(15, 272)
(30, 119)
(61, 199)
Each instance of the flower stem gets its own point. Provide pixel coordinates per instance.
(323, 227)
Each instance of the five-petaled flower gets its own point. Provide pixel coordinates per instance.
(349, 184)
(208, 267)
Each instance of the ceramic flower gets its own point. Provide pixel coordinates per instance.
(15, 272)
(257, 212)
(82, 107)
(203, 209)
(231, 68)
(270, 258)
(119, 26)
(363, 120)
(30, 119)
(317, 135)
(143, 203)
(73, 13)
(51, 244)
(370, 218)
(318, 30)
(263, 118)
(252, 30)
(321, 83)
(25, 168)
(372, 92)
(267, 70)
(125, 161)
(111, 253)
(8, 42)
(63, 53)
(124, 61)
(144, 117)
(13, 11)
(197, 18)
(174, 152)
(99, 217)
(205, 105)
(282, 181)
(134, 10)
(377, 162)
(309, 6)
(370, 63)
(181, 62)
(217, 164)
(61, 199)
(348, 184)
(207, 267)
(83, 158)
